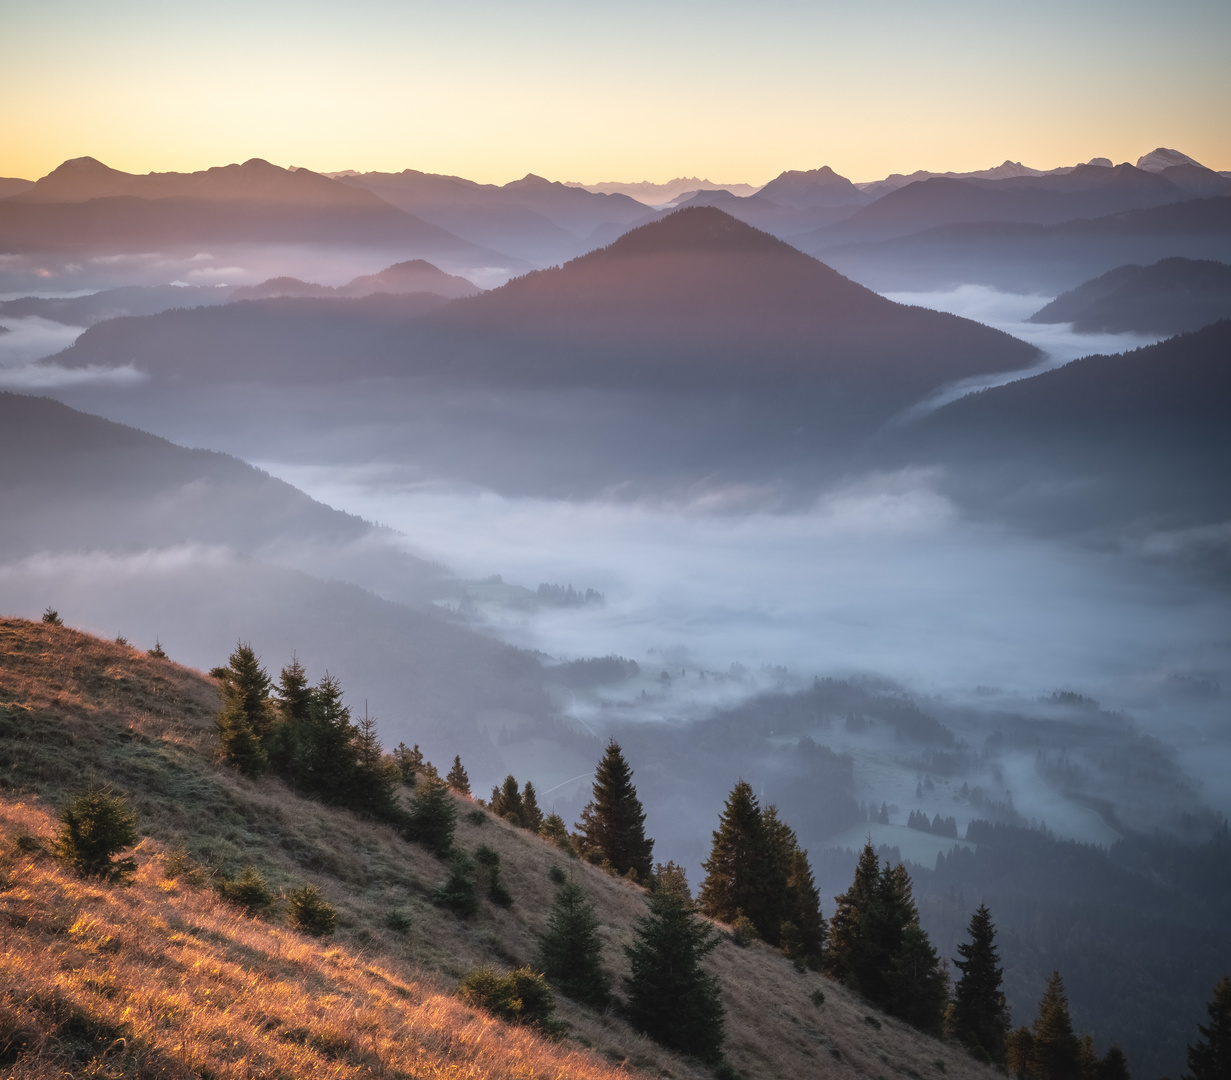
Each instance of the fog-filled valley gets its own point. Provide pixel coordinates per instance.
(904, 501)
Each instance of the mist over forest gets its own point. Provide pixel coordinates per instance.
(905, 502)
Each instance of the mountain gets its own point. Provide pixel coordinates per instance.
(85, 961)
(1197, 180)
(1161, 159)
(1130, 446)
(1006, 170)
(1086, 191)
(114, 303)
(815, 187)
(279, 335)
(84, 206)
(1027, 258)
(1170, 297)
(532, 218)
(651, 194)
(12, 185)
(784, 222)
(415, 276)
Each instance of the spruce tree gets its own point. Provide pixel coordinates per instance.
(373, 785)
(1210, 1059)
(845, 958)
(506, 801)
(1056, 1048)
(670, 997)
(612, 825)
(1114, 1065)
(804, 930)
(291, 707)
(775, 901)
(570, 952)
(457, 779)
(246, 717)
(980, 1013)
(737, 870)
(433, 817)
(409, 762)
(918, 985)
(326, 755)
(531, 815)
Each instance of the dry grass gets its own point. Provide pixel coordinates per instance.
(278, 1003)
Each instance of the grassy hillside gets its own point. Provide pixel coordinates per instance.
(165, 978)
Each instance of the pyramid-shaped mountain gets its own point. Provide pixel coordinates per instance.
(702, 300)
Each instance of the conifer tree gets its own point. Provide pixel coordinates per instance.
(1087, 1058)
(671, 877)
(804, 930)
(326, 755)
(457, 778)
(918, 985)
(737, 870)
(409, 762)
(980, 1013)
(1210, 1059)
(612, 825)
(374, 780)
(1056, 1048)
(245, 720)
(554, 829)
(1114, 1065)
(775, 902)
(506, 801)
(845, 958)
(291, 707)
(433, 817)
(570, 952)
(670, 997)
(531, 815)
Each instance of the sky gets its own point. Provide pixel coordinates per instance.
(732, 92)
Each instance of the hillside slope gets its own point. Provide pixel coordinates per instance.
(165, 979)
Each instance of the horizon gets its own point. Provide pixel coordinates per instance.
(492, 93)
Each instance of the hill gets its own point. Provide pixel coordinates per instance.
(1030, 258)
(114, 303)
(1133, 446)
(263, 997)
(1170, 297)
(813, 187)
(414, 276)
(83, 205)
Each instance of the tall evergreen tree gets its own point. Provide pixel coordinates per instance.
(980, 1013)
(804, 930)
(325, 754)
(775, 903)
(291, 708)
(457, 779)
(670, 997)
(918, 985)
(373, 785)
(737, 869)
(1210, 1059)
(410, 763)
(432, 818)
(1056, 1048)
(612, 825)
(845, 960)
(1114, 1065)
(531, 815)
(506, 801)
(570, 952)
(245, 719)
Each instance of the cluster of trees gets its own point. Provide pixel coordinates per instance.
(518, 805)
(1051, 1051)
(757, 871)
(877, 947)
(938, 826)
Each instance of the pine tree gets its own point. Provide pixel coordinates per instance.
(1210, 1059)
(554, 830)
(245, 720)
(918, 985)
(95, 827)
(506, 801)
(1087, 1058)
(373, 785)
(980, 1013)
(845, 958)
(291, 707)
(612, 825)
(570, 952)
(1114, 1065)
(457, 778)
(409, 762)
(1056, 1048)
(804, 930)
(737, 869)
(670, 997)
(531, 815)
(433, 817)
(672, 878)
(326, 754)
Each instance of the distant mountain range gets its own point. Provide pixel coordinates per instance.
(415, 276)
(1170, 297)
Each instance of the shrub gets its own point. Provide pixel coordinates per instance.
(554, 830)
(489, 865)
(818, 997)
(522, 996)
(96, 827)
(458, 892)
(557, 875)
(157, 652)
(52, 617)
(743, 932)
(398, 921)
(248, 890)
(179, 865)
(477, 817)
(307, 910)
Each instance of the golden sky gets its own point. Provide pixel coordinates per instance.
(581, 91)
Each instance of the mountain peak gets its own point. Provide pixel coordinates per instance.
(1161, 158)
(695, 229)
